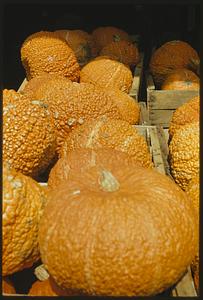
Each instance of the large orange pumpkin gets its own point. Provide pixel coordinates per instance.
(125, 51)
(124, 232)
(44, 52)
(170, 56)
(23, 204)
(181, 79)
(7, 286)
(109, 133)
(107, 72)
(29, 138)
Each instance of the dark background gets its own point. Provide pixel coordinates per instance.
(155, 23)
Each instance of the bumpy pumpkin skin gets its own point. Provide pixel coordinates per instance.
(171, 55)
(184, 154)
(181, 79)
(80, 160)
(79, 42)
(187, 113)
(193, 191)
(7, 286)
(44, 52)
(23, 204)
(29, 138)
(107, 73)
(108, 34)
(10, 96)
(129, 232)
(129, 107)
(126, 52)
(109, 133)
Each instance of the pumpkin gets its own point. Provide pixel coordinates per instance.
(181, 79)
(80, 160)
(104, 35)
(126, 51)
(193, 191)
(29, 139)
(10, 96)
(74, 104)
(109, 133)
(44, 52)
(42, 82)
(80, 42)
(170, 56)
(107, 72)
(23, 204)
(7, 286)
(128, 106)
(186, 113)
(124, 232)
(184, 154)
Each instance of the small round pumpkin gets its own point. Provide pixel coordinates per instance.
(23, 203)
(181, 79)
(29, 138)
(184, 154)
(80, 42)
(188, 112)
(80, 160)
(171, 55)
(104, 35)
(128, 232)
(44, 52)
(126, 52)
(7, 286)
(109, 133)
(107, 72)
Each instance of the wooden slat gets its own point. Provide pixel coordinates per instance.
(144, 115)
(22, 85)
(160, 117)
(137, 79)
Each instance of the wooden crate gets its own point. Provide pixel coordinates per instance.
(162, 103)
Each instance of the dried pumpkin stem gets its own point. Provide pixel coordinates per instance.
(108, 182)
(41, 273)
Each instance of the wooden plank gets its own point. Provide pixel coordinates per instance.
(185, 286)
(137, 79)
(23, 84)
(160, 117)
(144, 115)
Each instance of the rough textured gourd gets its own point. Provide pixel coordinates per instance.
(188, 112)
(107, 73)
(181, 79)
(80, 42)
(106, 34)
(29, 139)
(193, 191)
(10, 96)
(44, 52)
(126, 52)
(184, 154)
(109, 133)
(128, 232)
(23, 203)
(80, 160)
(171, 55)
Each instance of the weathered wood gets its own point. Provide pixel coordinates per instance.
(144, 115)
(160, 117)
(23, 84)
(137, 79)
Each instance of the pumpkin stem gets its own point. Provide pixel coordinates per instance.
(108, 182)
(41, 273)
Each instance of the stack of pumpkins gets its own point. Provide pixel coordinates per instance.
(108, 223)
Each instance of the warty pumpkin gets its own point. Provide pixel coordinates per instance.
(109, 133)
(29, 138)
(184, 154)
(10, 96)
(44, 52)
(188, 112)
(181, 79)
(23, 204)
(193, 191)
(107, 72)
(128, 232)
(7, 286)
(80, 42)
(80, 160)
(104, 35)
(171, 55)
(126, 52)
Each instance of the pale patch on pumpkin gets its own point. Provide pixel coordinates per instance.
(108, 182)
(94, 132)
